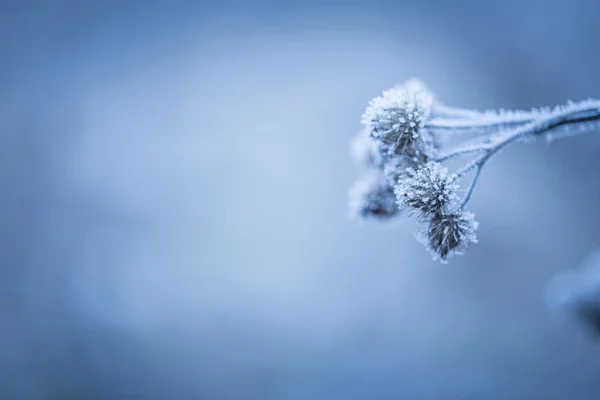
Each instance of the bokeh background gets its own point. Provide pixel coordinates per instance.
(174, 214)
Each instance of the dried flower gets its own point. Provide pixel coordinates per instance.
(450, 234)
(408, 134)
(397, 119)
(372, 197)
(430, 189)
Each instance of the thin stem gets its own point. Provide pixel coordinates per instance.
(492, 122)
(461, 152)
(576, 114)
(447, 112)
(580, 116)
(471, 186)
(476, 163)
(450, 120)
(456, 120)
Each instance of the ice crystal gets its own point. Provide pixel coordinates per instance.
(372, 197)
(429, 190)
(450, 234)
(397, 118)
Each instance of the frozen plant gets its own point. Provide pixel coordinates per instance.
(430, 190)
(406, 140)
(449, 233)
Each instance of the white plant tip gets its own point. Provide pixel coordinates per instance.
(397, 118)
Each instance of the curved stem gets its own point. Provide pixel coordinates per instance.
(471, 186)
(461, 152)
(492, 122)
(476, 163)
(447, 112)
(574, 114)
(571, 115)
(557, 119)
(456, 120)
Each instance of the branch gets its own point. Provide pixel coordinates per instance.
(471, 186)
(456, 120)
(580, 114)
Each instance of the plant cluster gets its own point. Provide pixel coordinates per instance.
(406, 140)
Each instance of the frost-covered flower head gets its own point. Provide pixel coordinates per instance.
(450, 234)
(429, 190)
(578, 292)
(372, 197)
(397, 118)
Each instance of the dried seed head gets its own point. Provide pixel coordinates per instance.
(372, 197)
(450, 234)
(428, 190)
(397, 118)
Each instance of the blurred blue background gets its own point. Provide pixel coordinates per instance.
(174, 203)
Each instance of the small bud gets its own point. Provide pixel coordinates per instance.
(450, 234)
(429, 190)
(372, 197)
(397, 118)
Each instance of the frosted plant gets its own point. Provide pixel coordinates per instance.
(449, 234)
(430, 190)
(397, 117)
(404, 145)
